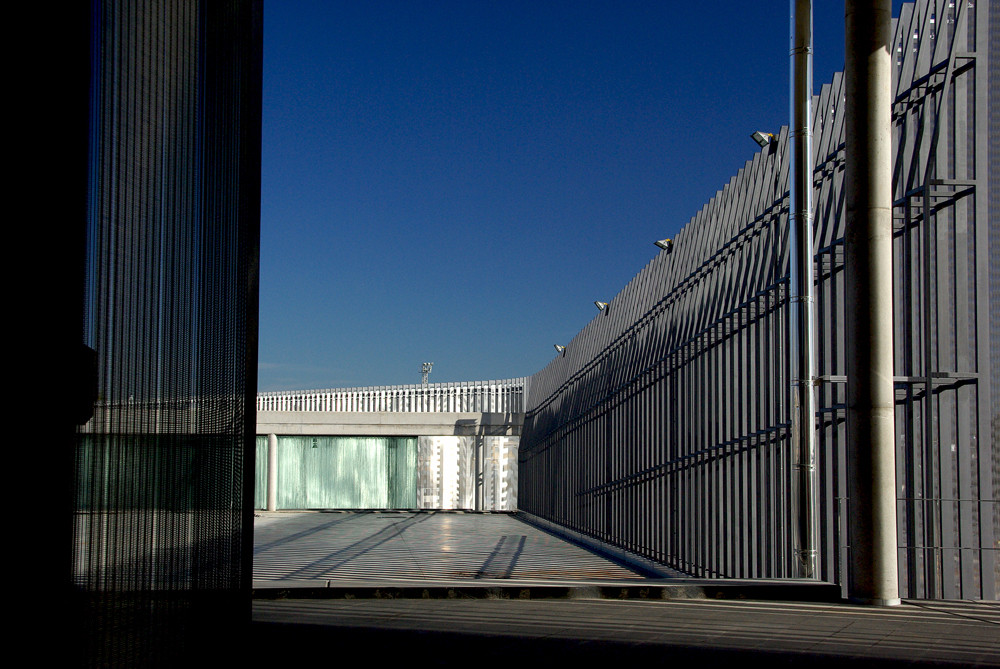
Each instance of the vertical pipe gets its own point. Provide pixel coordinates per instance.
(478, 477)
(872, 576)
(800, 223)
(272, 472)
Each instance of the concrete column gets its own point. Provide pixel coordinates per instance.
(272, 472)
(872, 576)
(479, 472)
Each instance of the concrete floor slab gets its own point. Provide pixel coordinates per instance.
(450, 589)
(450, 632)
(352, 548)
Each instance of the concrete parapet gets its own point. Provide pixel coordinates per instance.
(389, 424)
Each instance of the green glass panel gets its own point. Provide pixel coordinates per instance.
(260, 474)
(346, 472)
(402, 468)
(142, 471)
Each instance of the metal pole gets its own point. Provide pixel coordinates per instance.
(873, 576)
(478, 492)
(272, 472)
(801, 298)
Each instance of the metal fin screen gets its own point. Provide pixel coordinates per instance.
(165, 465)
(664, 426)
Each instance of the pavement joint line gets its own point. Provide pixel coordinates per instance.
(527, 590)
(938, 609)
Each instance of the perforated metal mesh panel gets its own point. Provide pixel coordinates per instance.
(165, 466)
(994, 249)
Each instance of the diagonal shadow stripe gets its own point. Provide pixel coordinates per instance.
(300, 535)
(340, 557)
(505, 554)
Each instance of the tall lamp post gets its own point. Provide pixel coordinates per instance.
(801, 292)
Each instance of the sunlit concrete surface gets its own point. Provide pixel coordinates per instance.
(501, 632)
(320, 549)
(461, 589)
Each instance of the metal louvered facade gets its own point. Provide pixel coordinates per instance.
(664, 426)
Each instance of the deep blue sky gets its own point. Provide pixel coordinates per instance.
(457, 182)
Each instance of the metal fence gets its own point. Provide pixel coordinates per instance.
(664, 426)
(505, 395)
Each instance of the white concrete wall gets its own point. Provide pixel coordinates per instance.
(388, 424)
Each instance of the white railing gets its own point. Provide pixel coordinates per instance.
(503, 396)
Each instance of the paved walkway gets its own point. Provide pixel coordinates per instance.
(485, 590)
(354, 548)
(703, 633)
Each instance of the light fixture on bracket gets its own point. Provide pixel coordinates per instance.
(762, 138)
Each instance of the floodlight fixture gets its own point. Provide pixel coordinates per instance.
(601, 305)
(762, 138)
(665, 244)
(559, 348)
